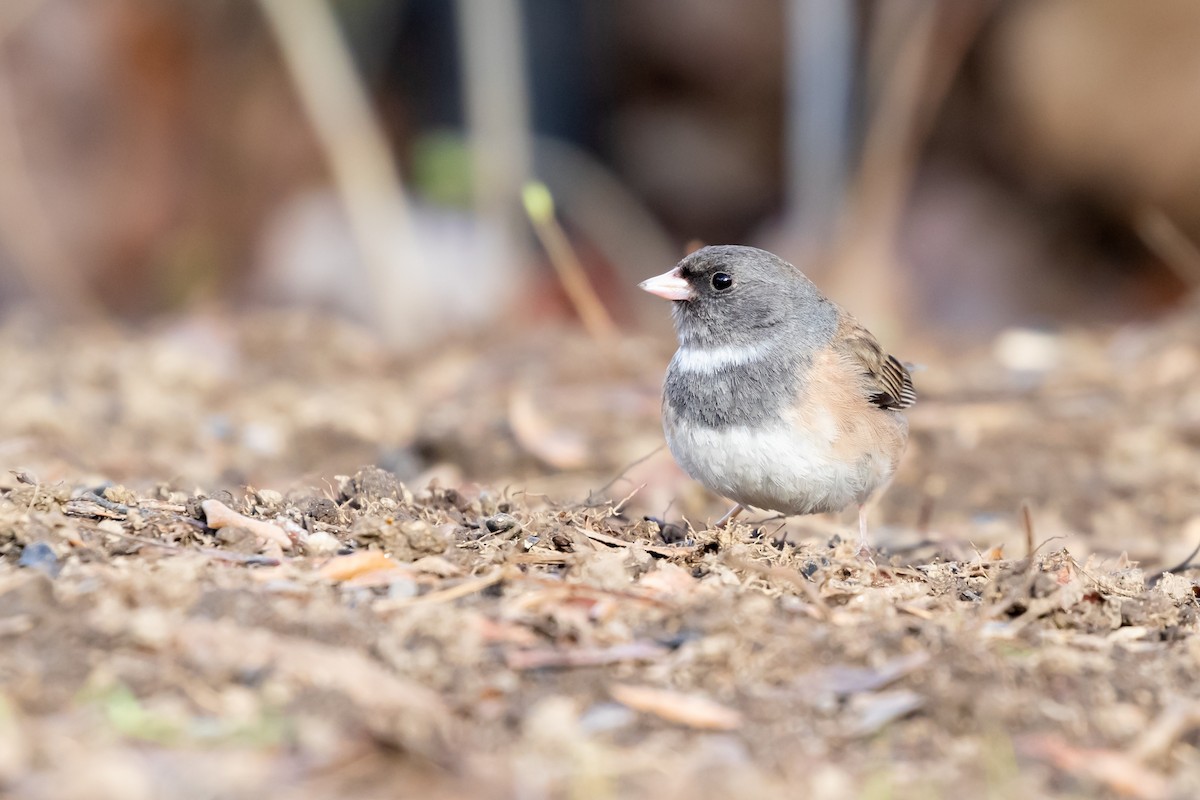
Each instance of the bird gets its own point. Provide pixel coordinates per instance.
(777, 398)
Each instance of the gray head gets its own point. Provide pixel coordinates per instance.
(735, 295)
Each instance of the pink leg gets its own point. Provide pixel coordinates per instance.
(730, 516)
(864, 541)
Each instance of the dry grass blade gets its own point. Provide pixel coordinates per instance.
(464, 589)
(616, 509)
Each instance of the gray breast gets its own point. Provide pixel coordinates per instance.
(733, 394)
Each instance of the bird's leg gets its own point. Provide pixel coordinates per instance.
(864, 542)
(730, 515)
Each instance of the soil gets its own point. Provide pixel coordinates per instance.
(261, 557)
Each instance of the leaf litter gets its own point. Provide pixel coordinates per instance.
(475, 619)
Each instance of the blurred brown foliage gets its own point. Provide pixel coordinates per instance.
(158, 142)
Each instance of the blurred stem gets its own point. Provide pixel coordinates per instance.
(820, 82)
(913, 55)
(25, 228)
(608, 214)
(1171, 245)
(491, 47)
(364, 170)
(539, 206)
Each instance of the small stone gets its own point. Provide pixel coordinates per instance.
(321, 543)
(269, 498)
(40, 556)
(500, 523)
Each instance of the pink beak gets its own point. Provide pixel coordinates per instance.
(669, 286)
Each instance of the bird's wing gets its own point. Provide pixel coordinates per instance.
(887, 382)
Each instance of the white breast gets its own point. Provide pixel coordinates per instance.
(708, 360)
(780, 468)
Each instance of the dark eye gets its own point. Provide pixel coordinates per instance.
(721, 281)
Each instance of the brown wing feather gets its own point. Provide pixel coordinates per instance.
(887, 381)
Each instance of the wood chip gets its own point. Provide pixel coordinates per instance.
(218, 515)
(353, 565)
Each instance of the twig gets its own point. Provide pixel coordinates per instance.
(584, 656)
(539, 206)
(616, 510)
(540, 558)
(1027, 524)
(464, 589)
(653, 549)
(37, 487)
(1182, 565)
(104, 502)
(81, 507)
(586, 589)
(208, 552)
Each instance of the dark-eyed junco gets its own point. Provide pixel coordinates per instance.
(777, 398)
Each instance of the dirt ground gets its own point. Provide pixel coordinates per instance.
(523, 598)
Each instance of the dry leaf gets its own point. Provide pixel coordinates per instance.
(343, 568)
(690, 710)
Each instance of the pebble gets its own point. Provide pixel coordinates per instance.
(40, 556)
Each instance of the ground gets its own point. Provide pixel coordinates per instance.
(258, 556)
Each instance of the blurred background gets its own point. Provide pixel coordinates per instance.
(270, 241)
(248, 247)
(971, 166)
